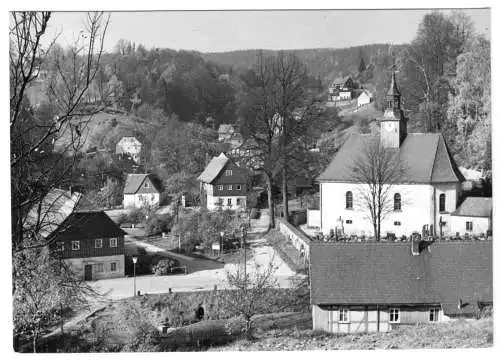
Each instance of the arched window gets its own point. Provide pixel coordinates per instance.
(442, 203)
(348, 200)
(397, 202)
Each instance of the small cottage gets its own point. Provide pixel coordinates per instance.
(129, 146)
(376, 287)
(141, 190)
(473, 217)
(364, 98)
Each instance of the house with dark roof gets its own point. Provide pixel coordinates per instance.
(426, 194)
(341, 89)
(376, 287)
(141, 190)
(84, 238)
(224, 184)
(473, 217)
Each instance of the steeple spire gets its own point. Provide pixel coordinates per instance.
(393, 89)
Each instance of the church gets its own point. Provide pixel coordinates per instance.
(425, 196)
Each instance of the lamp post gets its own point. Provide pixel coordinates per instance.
(243, 245)
(221, 242)
(134, 260)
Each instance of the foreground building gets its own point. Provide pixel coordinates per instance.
(474, 216)
(376, 287)
(86, 239)
(426, 194)
(224, 184)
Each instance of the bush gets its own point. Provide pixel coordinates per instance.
(163, 266)
(254, 213)
(158, 224)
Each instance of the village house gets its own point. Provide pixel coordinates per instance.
(473, 217)
(426, 194)
(341, 89)
(129, 146)
(141, 190)
(376, 287)
(225, 184)
(364, 98)
(86, 239)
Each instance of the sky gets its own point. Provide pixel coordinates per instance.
(218, 31)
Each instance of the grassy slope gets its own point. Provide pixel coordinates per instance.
(456, 334)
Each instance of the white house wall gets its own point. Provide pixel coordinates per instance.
(213, 202)
(140, 200)
(452, 191)
(77, 265)
(480, 225)
(416, 210)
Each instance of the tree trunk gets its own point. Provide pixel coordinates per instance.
(270, 202)
(284, 192)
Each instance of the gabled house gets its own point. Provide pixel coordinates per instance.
(129, 146)
(141, 190)
(426, 194)
(376, 287)
(92, 244)
(364, 98)
(84, 238)
(224, 184)
(473, 217)
(341, 89)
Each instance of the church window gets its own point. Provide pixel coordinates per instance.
(397, 202)
(348, 200)
(442, 203)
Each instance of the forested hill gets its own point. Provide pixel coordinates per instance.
(327, 63)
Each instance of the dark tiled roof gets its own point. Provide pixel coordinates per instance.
(134, 182)
(88, 225)
(341, 80)
(387, 273)
(424, 156)
(213, 168)
(475, 206)
(393, 89)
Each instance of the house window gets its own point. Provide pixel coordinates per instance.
(229, 202)
(397, 223)
(112, 266)
(394, 315)
(468, 225)
(238, 201)
(61, 245)
(434, 315)
(230, 187)
(238, 187)
(221, 187)
(221, 201)
(229, 172)
(348, 200)
(100, 268)
(344, 315)
(75, 245)
(397, 202)
(98, 243)
(442, 203)
(147, 185)
(113, 243)
(348, 221)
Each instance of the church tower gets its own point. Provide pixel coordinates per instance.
(393, 124)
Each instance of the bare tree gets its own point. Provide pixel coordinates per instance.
(47, 136)
(376, 170)
(48, 119)
(250, 293)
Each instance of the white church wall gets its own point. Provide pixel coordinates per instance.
(416, 210)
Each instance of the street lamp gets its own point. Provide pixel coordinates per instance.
(134, 260)
(221, 242)
(243, 244)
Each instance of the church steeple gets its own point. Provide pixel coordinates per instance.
(393, 124)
